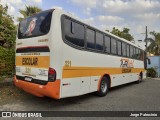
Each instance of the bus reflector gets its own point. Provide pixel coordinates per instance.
(51, 75)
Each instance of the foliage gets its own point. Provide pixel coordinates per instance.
(154, 47)
(151, 72)
(7, 28)
(123, 34)
(29, 11)
(7, 42)
(7, 61)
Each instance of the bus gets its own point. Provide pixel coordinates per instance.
(59, 56)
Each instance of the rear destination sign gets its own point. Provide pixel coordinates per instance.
(38, 60)
(30, 61)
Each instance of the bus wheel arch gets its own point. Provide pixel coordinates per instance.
(103, 85)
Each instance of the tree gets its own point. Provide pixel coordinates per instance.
(123, 34)
(154, 47)
(7, 42)
(29, 11)
(7, 28)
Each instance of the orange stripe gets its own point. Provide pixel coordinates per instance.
(71, 72)
(43, 61)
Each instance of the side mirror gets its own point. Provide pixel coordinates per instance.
(149, 61)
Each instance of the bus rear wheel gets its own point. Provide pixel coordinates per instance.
(104, 87)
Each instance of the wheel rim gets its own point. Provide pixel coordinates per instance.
(104, 86)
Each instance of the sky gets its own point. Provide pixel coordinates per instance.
(104, 14)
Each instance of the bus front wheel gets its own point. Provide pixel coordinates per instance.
(104, 87)
(140, 78)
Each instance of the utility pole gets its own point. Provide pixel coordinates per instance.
(146, 39)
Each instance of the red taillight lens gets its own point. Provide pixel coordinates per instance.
(51, 71)
(51, 75)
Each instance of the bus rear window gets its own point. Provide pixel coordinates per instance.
(36, 25)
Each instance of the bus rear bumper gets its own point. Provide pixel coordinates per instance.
(51, 89)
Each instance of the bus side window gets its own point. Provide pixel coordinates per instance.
(90, 39)
(113, 46)
(107, 44)
(119, 47)
(99, 41)
(74, 33)
(137, 53)
(127, 50)
(124, 50)
(131, 51)
(134, 55)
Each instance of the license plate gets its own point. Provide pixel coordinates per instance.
(28, 78)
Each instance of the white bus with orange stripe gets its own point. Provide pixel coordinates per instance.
(59, 56)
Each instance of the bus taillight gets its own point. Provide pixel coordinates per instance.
(51, 75)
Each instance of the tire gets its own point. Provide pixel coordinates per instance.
(140, 78)
(104, 87)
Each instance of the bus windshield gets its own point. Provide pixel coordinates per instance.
(36, 25)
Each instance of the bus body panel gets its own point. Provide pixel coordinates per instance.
(92, 71)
